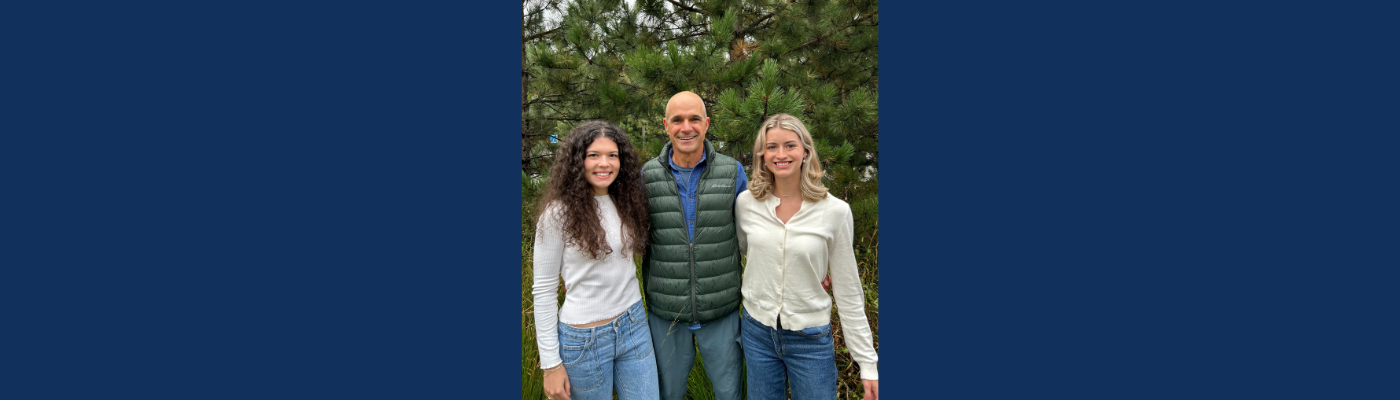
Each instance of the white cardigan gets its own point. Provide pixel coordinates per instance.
(597, 289)
(787, 262)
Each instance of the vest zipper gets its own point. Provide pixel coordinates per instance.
(694, 315)
(694, 319)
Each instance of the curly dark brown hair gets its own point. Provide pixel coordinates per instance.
(569, 189)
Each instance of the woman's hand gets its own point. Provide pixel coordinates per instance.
(556, 384)
(872, 389)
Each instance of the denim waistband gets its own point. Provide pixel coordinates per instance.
(777, 318)
(633, 314)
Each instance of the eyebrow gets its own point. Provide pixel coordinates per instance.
(685, 116)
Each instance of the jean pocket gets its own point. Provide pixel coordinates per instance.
(580, 362)
(638, 317)
(572, 354)
(640, 336)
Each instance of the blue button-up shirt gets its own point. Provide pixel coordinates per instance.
(688, 190)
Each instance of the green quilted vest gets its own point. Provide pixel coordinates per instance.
(692, 282)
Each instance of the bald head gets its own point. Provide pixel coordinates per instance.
(684, 99)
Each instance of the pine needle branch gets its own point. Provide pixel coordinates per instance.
(685, 7)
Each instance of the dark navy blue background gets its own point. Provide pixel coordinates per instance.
(1089, 200)
(1112, 201)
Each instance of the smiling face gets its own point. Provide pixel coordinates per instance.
(783, 153)
(600, 164)
(686, 124)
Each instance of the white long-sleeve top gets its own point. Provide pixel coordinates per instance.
(597, 289)
(788, 261)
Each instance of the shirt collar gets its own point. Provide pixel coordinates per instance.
(672, 162)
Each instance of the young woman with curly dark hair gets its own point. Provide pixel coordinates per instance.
(593, 218)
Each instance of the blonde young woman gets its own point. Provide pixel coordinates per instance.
(794, 234)
(593, 219)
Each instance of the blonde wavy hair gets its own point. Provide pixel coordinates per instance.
(761, 184)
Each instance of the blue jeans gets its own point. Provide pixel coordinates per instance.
(719, 346)
(616, 355)
(805, 359)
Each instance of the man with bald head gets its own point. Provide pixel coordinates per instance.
(691, 266)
